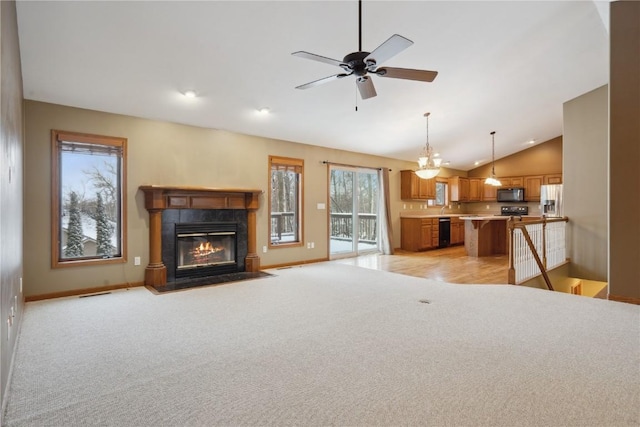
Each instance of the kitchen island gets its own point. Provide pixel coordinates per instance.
(485, 235)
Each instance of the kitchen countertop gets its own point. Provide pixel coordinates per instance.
(419, 215)
(485, 218)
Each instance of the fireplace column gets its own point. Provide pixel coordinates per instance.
(252, 260)
(156, 271)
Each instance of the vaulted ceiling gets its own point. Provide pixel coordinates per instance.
(506, 66)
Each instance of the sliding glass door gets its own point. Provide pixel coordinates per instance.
(354, 202)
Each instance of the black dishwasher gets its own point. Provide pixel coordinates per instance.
(444, 233)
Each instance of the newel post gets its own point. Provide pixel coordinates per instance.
(511, 279)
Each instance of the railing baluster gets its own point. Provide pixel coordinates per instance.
(535, 247)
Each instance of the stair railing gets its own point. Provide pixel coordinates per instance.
(535, 247)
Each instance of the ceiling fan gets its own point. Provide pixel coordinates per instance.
(361, 64)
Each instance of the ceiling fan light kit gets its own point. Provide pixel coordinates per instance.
(360, 64)
(429, 166)
(492, 180)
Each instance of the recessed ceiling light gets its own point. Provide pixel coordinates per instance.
(532, 141)
(263, 110)
(476, 163)
(190, 94)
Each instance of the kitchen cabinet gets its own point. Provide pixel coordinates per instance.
(457, 231)
(532, 188)
(419, 234)
(512, 181)
(489, 193)
(475, 189)
(459, 189)
(553, 179)
(412, 187)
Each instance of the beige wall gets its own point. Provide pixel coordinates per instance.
(172, 154)
(585, 183)
(624, 150)
(541, 159)
(11, 190)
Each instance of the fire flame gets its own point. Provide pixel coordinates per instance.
(206, 249)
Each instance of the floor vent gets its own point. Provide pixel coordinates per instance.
(94, 295)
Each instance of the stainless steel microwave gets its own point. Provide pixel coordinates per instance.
(515, 194)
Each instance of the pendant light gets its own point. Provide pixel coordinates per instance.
(492, 180)
(429, 166)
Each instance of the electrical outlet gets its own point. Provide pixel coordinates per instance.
(308, 245)
(136, 260)
(313, 245)
(264, 249)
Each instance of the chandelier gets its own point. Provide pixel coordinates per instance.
(429, 166)
(492, 180)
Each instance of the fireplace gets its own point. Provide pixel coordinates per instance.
(170, 207)
(205, 249)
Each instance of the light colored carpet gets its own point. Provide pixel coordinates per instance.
(328, 344)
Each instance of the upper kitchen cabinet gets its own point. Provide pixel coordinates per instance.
(512, 182)
(553, 179)
(532, 186)
(489, 193)
(412, 187)
(459, 189)
(475, 189)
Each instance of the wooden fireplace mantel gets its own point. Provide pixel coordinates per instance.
(160, 197)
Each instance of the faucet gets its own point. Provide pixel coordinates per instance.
(442, 210)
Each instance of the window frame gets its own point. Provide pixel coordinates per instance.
(58, 138)
(288, 162)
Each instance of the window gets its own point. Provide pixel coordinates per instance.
(285, 200)
(88, 207)
(441, 193)
(442, 198)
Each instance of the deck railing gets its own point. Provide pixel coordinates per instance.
(535, 247)
(340, 224)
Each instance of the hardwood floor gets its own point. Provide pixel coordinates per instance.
(450, 265)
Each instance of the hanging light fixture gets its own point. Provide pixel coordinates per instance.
(492, 180)
(429, 166)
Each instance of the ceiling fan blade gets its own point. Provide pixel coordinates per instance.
(407, 74)
(393, 46)
(366, 88)
(322, 81)
(314, 57)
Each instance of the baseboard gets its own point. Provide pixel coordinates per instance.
(84, 291)
(289, 264)
(7, 386)
(629, 300)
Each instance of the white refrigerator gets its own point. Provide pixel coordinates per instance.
(551, 200)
